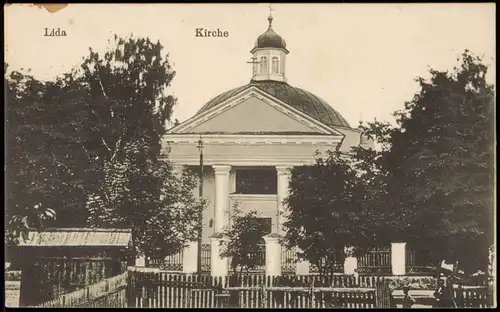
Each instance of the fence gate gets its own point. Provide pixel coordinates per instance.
(382, 294)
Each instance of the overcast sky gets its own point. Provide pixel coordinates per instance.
(360, 58)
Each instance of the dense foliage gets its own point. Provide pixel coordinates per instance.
(88, 146)
(45, 168)
(439, 165)
(430, 184)
(325, 214)
(245, 243)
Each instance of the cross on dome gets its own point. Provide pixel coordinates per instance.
(270, 18)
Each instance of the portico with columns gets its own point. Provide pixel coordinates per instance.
(253, 135)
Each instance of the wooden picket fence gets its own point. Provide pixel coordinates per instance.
(164, 290)
(475, 296)
(161, 289)
(467, 297)
(111, 292)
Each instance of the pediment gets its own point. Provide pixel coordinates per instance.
(252, 116)
(252, 112)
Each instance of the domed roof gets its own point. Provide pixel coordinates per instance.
(270, 39)
(302, 100)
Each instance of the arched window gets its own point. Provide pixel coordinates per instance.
(275, 65)
(263, 65)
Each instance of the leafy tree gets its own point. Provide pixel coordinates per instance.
(245, 243)
(437, 164)
(101, 124)
(165, 223)
(138, 188)
(324, 212)
(429, 184)
(40, 162)
(365, 160)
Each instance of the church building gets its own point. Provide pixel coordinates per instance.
(252, 135)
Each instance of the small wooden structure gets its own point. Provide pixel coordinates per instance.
(60, 261)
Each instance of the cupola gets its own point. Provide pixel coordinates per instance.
(269, 55)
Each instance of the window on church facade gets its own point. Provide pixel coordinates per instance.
(256, 181)
(263, 65)
(275, 65)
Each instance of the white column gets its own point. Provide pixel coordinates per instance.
(219, 266)
(273, 254)
(302, 267)
(283, 182)
(190, 258)
(398, 258)
(350, 262)
(221, 198)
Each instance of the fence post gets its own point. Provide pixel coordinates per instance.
(302, 267)
(140, 261)
(312, 294)
(398, 258)
(491, 294)
(263, 291)
(190, 258)
(273, 254)
(131, 289)
(350, 262)
(12, 292)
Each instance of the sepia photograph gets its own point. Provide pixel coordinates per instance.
(250, 155)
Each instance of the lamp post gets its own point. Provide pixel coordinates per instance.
(200, 220)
